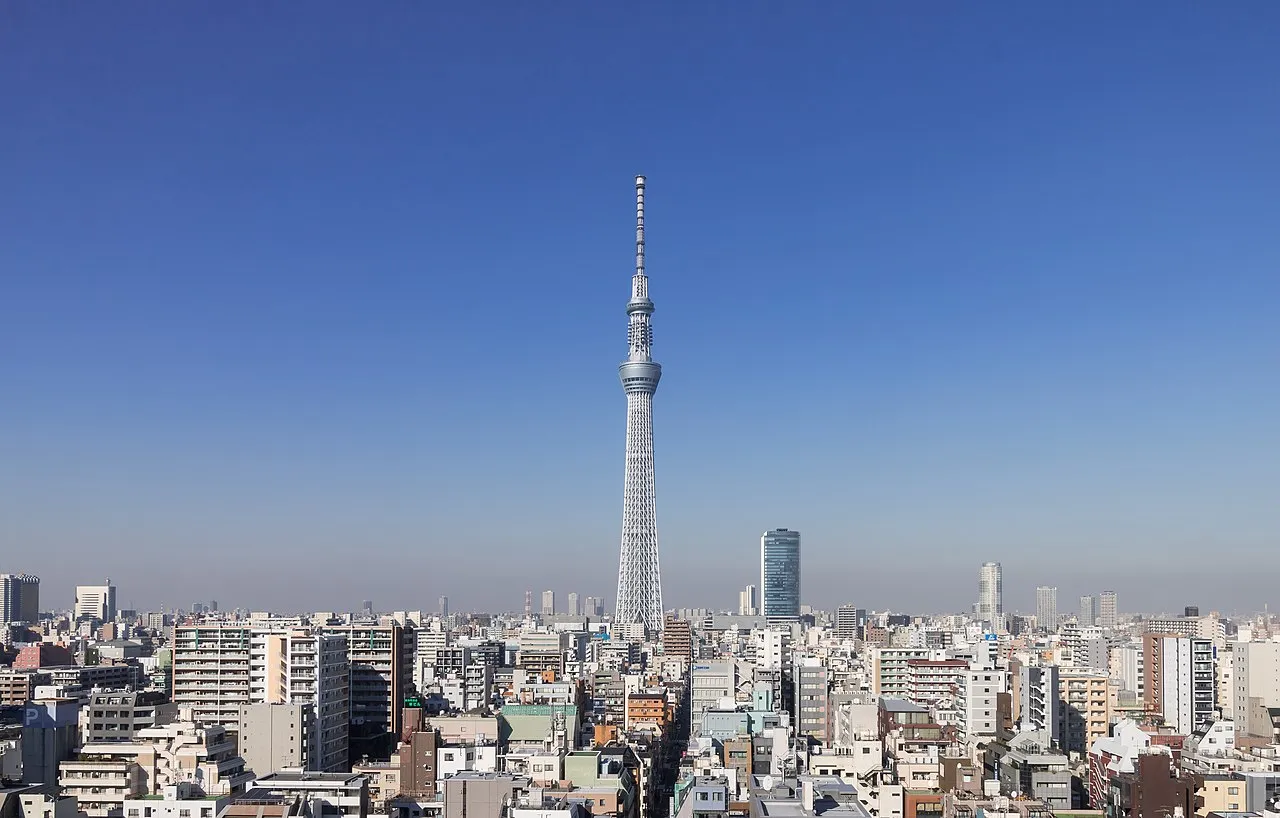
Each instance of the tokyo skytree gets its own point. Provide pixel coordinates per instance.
(639, 580)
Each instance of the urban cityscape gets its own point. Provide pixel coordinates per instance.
(582, 701)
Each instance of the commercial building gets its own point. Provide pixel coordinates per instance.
(96, 602)
(19, 598)
(780, 575)
(548, 603)
(710, 682)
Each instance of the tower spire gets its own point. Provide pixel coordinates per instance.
(639, 578)
(639, 227)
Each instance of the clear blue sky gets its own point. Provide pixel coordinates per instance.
(306, 304)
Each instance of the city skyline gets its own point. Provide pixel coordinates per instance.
(978, 313)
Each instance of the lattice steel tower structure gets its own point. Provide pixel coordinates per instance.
(639, 579)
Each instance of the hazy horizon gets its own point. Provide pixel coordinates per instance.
(300, 309)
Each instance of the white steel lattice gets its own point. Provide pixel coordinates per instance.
(639, 577)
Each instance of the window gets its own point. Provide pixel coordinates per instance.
(1233, 806)
(184, 813)
(1233, 790)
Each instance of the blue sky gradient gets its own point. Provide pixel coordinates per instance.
(302, 307)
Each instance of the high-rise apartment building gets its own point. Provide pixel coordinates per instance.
(1180, 681)
(747, 605)
(1107, 609)
(381, 660)
(312, 671)
(1256, 676)
(780, 575)
(976, 702)
(1085, 714)
(548, 603)
(990, 606)
(96, 602)
(677, 638)
(444, 607)
(211, 671)
(639, 574)
(846, 624)
(1047, 608)
(574, 604)
(813, 700)
(1039, 703)
(1088, 611)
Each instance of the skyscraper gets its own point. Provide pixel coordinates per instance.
(780, 575)
(444, 607)
(575, 607)
(747, 601)
(548, 603)
(19, 598)
(990, 593)
(1047, 607)
(1107, 609)
(639, 577)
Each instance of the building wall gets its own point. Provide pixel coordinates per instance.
(273, 737)
(1256, 674)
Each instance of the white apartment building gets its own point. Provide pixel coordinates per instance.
(1182, 680)
(976, 702)
(106, 774)
(1126, 664)
(1040, 703)
(890, 673)
(1255, 675)
(211, 671)
(772, 648)
(300, 667)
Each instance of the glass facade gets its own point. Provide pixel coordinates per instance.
(780, 574)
